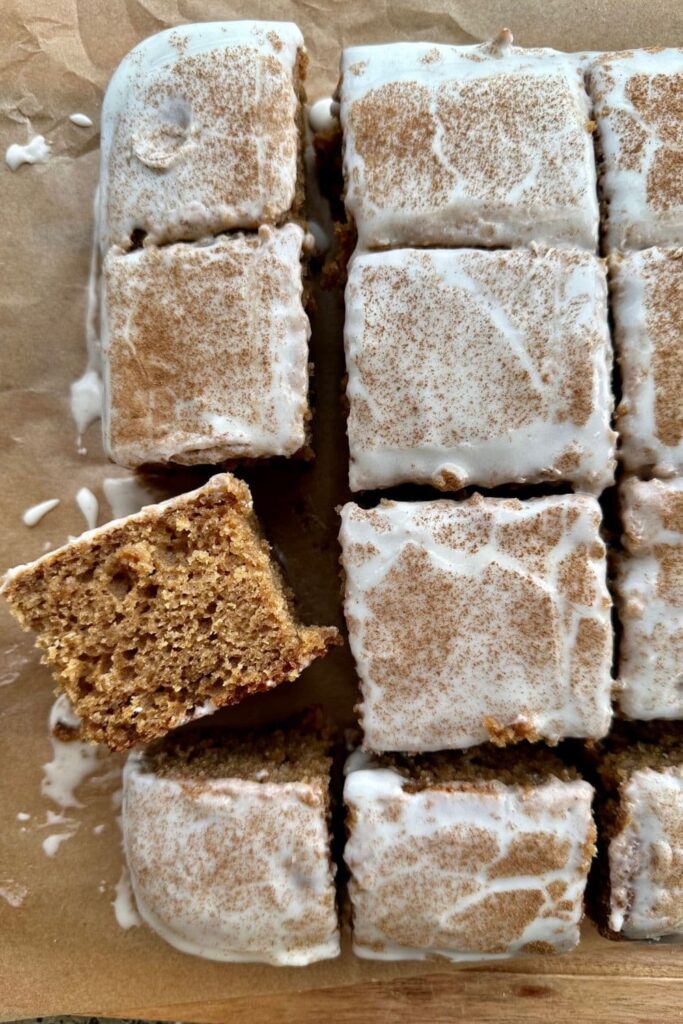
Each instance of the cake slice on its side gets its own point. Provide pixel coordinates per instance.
(637, 886)
(471, 856)
(228, 845)
(166, 615)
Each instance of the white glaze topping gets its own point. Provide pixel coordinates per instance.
(646, 857)
(32, 516)
(231, 869)
(323, 116)
(637, 97)
(37, 151)
(205, 350)
(81, 120)
(650, 590)
(73, 761)
(199, 132)
(465, 871)
(647, 304)
(478, 619)
(454, 145)
(466, 366)
(125, 495)
(89, 506)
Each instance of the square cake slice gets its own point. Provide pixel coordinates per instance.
(228, 846)
(647, 305)
(638, 106)
(487, 145)
(466, 857)
(474, 367)
(165, 615)
(201, 132)
(486, 619)
(650, 599)
(638, 887)
(205, 350)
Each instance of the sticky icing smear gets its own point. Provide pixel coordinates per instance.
(124, 904)
(72, 762)
(125, 495)
(89, 506)
(37, 151)
(81, 120)
(12, 892)
(35, 513)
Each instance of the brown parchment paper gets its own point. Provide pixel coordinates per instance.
(61, 949)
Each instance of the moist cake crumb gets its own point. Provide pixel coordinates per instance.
(228, 845)
(453, 857)
(164, 616)
(476, 620)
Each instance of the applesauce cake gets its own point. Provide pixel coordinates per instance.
(484, 619)
(454, 377)
(647, 306)
(486, 145)
(638, 106)
(202, 129)
(205, 350)
(649, 589)
(637, 887)
(470, 856)
(228, 845)
(164, 616)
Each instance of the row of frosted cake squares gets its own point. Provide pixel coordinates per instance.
(482, 619)
(464, 366)
(468, 856)
(474, 620)
(485, 145)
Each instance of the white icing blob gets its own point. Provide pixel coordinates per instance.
(323, 115)
(36, 151)
(81, 120)
(23, 816)
(13, 892)
(86, 402)
(320, 236)
(35, 513)
(53, 842)
(125, 495)
(124, 905)
(72, 762)
(89, 506)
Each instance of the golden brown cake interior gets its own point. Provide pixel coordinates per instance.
(298, 751)
(478, 765)
(147, 619)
